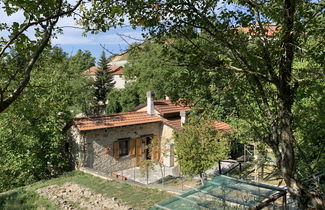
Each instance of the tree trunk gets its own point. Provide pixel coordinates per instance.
(202, 178)
(288, 166)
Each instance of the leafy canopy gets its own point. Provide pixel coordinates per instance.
(199, 147)
(33, 144)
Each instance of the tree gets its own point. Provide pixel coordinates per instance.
(199, 146)
(124, 100)
(33, 129)
(16, 68)
(80, 84)
(103, 84)
(81, 61)
(240, 40)
(162, 69)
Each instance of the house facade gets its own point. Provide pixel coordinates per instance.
(111, 143)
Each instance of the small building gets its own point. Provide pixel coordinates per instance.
(115, 142)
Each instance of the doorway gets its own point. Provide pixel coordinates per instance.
(146, 141)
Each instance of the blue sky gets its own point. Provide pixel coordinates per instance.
(72, 39)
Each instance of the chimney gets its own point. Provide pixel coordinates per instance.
(150, 105)
(183, 114)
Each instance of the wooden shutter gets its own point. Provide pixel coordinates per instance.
(138, 148)
(132, 147)
(156, 148)
(116, 149)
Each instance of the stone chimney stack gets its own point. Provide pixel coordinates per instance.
(183, 114)
(150, 105)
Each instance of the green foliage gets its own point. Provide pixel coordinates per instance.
(165, 71)
(123, 100)
(104, 82)
(81, 61)
(81, 86)
(32, 131)
(22, 199)
(309, 127)
(199, 146)
(264, 67)
(27, 38)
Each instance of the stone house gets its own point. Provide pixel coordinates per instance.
(115, 142)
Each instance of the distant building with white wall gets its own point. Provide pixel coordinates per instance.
(116, 70)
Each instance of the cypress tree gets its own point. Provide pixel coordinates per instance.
(103, 85)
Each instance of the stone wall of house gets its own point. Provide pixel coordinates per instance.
(97, 142)
(75, 147)
(167, 146)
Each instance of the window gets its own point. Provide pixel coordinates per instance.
(124, 147)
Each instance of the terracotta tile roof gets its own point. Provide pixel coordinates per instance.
(91, 71)
(114, 120)
(173, 122)
(221, 126)
(176, 124)
(165, 107)
(116, 70)
(270, 30)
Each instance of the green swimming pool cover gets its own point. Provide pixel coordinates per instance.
(223, 192)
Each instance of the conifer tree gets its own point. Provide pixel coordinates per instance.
(103, 84)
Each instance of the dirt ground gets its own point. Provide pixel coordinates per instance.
(71, 196)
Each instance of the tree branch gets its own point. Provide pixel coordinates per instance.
(30, 24)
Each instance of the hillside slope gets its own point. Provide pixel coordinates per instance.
(77, 190)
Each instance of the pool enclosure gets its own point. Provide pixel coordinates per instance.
(223, 192)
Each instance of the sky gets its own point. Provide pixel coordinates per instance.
(72, 39)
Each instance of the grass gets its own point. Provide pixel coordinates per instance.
(133, 196)
(178, 182)
(22, 199)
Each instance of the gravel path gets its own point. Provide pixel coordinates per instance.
(71, 196)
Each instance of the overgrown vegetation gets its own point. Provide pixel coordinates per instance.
(33, 130)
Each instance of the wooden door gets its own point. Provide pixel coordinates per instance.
(116, 150)
(138, 151)
(156, 148)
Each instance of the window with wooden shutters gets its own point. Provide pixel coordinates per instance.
(132, 147)
(124, 146)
